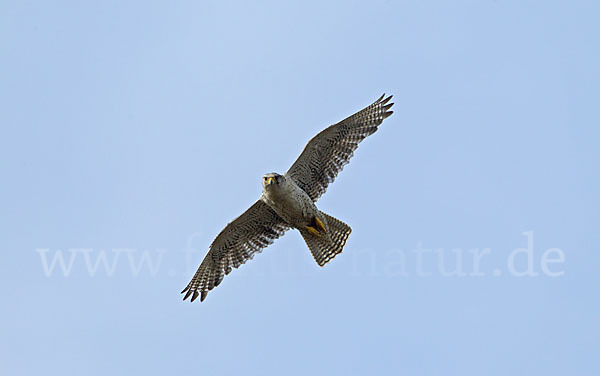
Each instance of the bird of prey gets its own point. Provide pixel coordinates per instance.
(288, 201)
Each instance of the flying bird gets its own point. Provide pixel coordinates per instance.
(288, 201)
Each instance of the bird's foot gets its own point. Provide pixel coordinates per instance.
(317, 228)
(320, 225)
(313, 230)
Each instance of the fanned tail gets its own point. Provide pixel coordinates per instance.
(325, 246)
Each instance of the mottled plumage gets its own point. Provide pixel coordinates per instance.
(288, 201)
(327, 153)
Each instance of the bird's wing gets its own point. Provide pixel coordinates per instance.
(328, 152)
(239, 241)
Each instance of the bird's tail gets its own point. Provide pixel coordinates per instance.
(328, 243)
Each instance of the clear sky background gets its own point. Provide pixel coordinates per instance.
(136, 130)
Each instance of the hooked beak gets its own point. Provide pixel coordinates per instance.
(270, 180)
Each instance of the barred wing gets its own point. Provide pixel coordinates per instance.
(328, 152)
(239, 241)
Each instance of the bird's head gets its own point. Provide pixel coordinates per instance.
(272, 179)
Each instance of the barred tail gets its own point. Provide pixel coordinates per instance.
(325, 246)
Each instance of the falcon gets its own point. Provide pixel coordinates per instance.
(288, 201)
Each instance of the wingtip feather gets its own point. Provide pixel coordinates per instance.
(187, 295)
(386, 100)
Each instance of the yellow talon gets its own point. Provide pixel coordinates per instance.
(320, 224)
(313, 231)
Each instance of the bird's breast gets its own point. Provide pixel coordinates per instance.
(290, 204)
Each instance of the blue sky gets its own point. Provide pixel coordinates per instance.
(132, 132)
